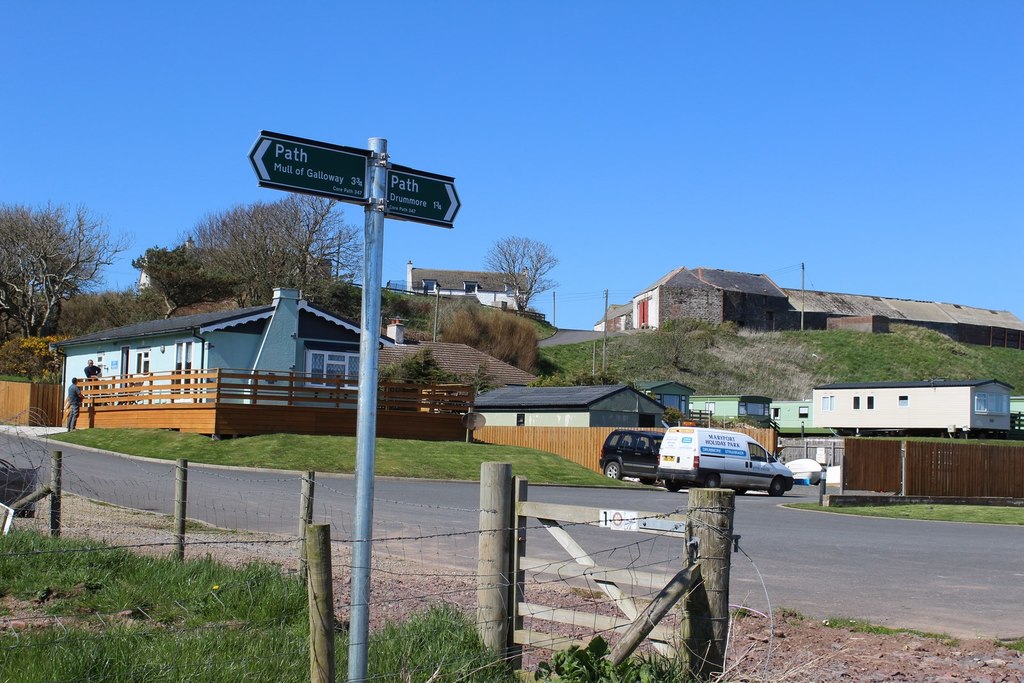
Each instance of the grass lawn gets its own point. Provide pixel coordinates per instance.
(393, 457)
(103, 614)
(974, 514)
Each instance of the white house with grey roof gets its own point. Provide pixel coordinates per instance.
(489, 288)
(956, 407)
(595, 406)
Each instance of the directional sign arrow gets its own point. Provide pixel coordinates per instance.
(421, 196)
(286, 162)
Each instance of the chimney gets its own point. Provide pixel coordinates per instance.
(408, 276)
(396, 330)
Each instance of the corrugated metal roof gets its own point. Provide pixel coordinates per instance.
(547, 397)
(899, 309)
(913, 385)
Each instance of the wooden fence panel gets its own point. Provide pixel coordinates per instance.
(36, 405)
(964, 470)
(872, 465)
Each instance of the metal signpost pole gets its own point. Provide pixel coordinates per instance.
(366, 421)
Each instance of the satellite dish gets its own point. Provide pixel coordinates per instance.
(473, 421)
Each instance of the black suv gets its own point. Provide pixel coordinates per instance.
(631, 453)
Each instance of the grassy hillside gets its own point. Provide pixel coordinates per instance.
(785, 365)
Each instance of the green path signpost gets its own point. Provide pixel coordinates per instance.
(359, 176)
(285, 162)
(420, 196)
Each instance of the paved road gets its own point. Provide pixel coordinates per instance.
(573, 337)
(965, 580)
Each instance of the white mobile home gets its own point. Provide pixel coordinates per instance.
(955, 407)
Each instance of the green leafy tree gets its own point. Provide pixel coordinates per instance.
(181, 278)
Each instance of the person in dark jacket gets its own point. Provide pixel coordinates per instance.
(91, 371)
(73, 403)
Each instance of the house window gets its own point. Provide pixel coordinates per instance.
(471, 287)
(776, 413)
(429, 286)
(828, 404)
(903, 402)
(709, 406)
(871, 402)
(803, 412)
(520, 419)
(329, 364)
(856, 402)
(183, 356)
(142, 361)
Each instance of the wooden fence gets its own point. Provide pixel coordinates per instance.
(35, 405)
(947, 468)
(239, 402)
(582, 445)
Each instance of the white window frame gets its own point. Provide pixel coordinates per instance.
(828, 404)
(903, 401)
(349, 359)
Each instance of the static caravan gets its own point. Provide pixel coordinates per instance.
(756, 407)
(952, 407)
(795, 418)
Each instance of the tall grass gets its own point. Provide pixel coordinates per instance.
(103, 614)
(785, 365)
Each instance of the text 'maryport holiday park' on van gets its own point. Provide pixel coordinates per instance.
(715, 458)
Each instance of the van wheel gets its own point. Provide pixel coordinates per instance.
(712, 481)
(673, 486)
(777, 487)
(613, 470)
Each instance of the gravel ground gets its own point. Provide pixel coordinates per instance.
(786, 648)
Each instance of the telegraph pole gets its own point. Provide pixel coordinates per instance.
(803, 296)
(604, 348)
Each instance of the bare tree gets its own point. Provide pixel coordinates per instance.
(300, 241)
(524, 265)
(48, 255)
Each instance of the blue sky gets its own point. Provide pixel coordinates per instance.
(879, 143)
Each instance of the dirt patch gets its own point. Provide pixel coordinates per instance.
(786, 648)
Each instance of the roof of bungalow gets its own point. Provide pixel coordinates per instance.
(201, 322)
(552, 397)
(458, 359)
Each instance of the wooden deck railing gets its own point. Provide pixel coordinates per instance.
(242, 387)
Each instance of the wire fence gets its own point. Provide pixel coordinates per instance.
(425, 555)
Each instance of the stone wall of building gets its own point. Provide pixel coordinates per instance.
(701, 303)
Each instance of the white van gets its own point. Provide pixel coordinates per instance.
(715, 458)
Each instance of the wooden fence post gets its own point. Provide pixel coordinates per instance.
(180, 506)
(320, 589)
(305, 519)
(705, 623)
(494, 565)
(903, 468)
(56, 476)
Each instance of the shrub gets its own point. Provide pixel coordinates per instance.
(30, 357)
